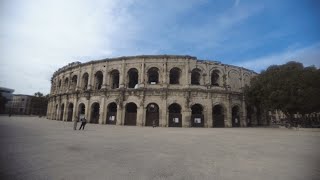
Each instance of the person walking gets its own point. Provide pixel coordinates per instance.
(83, 123)
(75, 123)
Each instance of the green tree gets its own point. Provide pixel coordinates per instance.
(39, 104)
(291, 88)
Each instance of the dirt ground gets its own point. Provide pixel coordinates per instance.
(37, 148)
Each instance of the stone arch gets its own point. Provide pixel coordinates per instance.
(95, 113)
(131, 114)
(133, 78)
(114, 79)
(152, 115)
(175, 75)
(85, 81)
(197, 117)
(153, 75)
(216, 77)
(74, 82)
(81, 110)
(218, 116)
(112, 110)
(196, 76)
(70, 112)
(98, 80)
(59, 83)
(175, 116)
(66, 83)
(235, 111)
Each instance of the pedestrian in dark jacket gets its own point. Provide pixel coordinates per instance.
(83, 123)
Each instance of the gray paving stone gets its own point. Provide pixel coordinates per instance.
(37, 148)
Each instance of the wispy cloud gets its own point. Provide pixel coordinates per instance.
(309, 55)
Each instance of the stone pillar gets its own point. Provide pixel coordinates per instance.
(228, 119)
(65, 111)
(123, 74)
(90, 79)
(78, 85)
(243, 117)
(164, 74)
(87, 110)
(187, 75)
(102, 116)
(105, 77)
(142, 74)
(75, 110)
(120, 117)
(186, 118)
(163, 114)
(209, 113)
(140, 117)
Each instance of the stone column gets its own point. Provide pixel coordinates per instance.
(90, 79)
(187, 74)
(102, 116)
(122, 75)
(119, 116)
(186, 118)
(164, 74)
(228, 119)
(78, 85)
(105, 75)
(65, 111)
(163, 114)
(75, 110)
(87, 110)
(208, 121)
(243, 118)
(140, 116)
(142, 74)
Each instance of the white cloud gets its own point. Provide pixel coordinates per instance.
(309, 55)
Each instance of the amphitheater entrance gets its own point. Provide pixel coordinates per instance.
(197, 118)
(217, 116)
(235, 116)
(61, 112)
(95, 113)
(81, 110)
(70, 112)
(131, 114)
(112, 113)
(175, 116)
(152, 115)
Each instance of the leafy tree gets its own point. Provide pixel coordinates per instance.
(39, 104)
(291, 88)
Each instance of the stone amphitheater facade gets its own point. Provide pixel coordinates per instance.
(161, 90)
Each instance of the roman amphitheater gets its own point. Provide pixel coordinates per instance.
(165, 90)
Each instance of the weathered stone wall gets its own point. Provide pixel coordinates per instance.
(70, 89)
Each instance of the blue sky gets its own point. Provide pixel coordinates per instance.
(38, 37)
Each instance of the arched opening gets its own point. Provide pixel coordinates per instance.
(115, 77)
(175, 116)
(235, 116)
(61, 112)
(112, 113)
(85, 79)
(74, 82)
(195, 76)
(59, 84)
(95, 113)
(215, 78)
(131, 114)
(152, 115)
(153, 75)
(70, 112)
(66, 83)
(217, 116)
(98, 79)
(81, 110)
(197, 117)
(175, 76)
(133, 78)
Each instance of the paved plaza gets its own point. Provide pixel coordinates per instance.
(37, 148)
